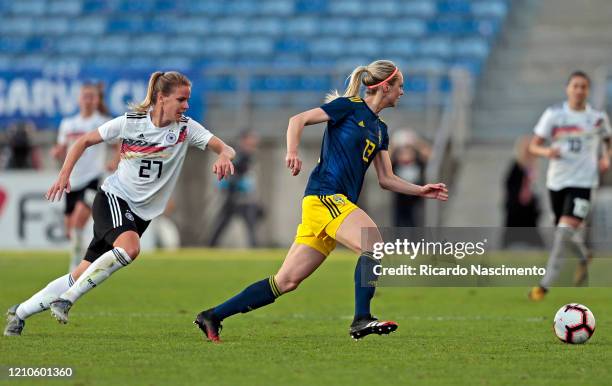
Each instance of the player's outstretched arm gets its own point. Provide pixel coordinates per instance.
(536, 147)
(294, 134)
(389, 181)
(76, 151)
(223, 166)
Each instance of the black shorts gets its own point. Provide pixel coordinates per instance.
(573, 202)
(79, 195)
(112, 216)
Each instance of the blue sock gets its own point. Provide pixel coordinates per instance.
(365, 283)
(256, 295)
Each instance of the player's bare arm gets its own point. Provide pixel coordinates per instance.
(223, 165)
(294, 133)
(604, 160)
(389, 181)
(537, 147)
(76, 151)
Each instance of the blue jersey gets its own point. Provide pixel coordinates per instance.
(353, 137)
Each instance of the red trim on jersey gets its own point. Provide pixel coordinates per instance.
(142, 149)
(182, 136)
(566, 130)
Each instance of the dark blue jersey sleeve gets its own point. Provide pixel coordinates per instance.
(385, 138)
(338, 109)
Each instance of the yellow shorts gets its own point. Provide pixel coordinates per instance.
(321, 218)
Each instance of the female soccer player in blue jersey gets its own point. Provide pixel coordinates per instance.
(355, 136)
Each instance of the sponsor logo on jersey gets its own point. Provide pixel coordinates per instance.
(129, 216)
(361, 124)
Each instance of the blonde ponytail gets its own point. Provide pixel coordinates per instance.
(164, 82)
(373, 74)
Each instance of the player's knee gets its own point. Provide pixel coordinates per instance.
(132, 250)
(287, 284)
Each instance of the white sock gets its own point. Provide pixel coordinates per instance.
(39, 302)
(76, 248)
(97, 272)
(563, 236)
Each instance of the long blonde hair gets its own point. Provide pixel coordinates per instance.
(370, 75)
(164, 82)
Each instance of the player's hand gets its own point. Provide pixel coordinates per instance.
(294, 163)
(58, 188)
(436, 191)
(223, 167)
(553, 152)
(604, 164)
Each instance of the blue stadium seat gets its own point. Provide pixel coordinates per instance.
(220, 47)
(289, 45)
(400, 47)
(311, 6)
(336, 27)
(196, 25)
(13, 45)
(135, 8)
(241, 7)
(276, 7)
(125, 25)
(456, 7)
(436, 47)
(289, 61)
(89, 25)
(51, 26)
(350, 8)
(421, 8)
(81, 45)
(302, 26)
(65, 7)
(255, 46)
(231, 26)
(373, 27)
(148, 45)
(185, 46)
(113, 46)
(330, 47)
(174, 64)
(29, 7)
(472, 47)
(490, 8)
(386, 8)
(362, 46)
(10, 26)
(267, 26)
(409, 27)
(98, 6)
(434, 65)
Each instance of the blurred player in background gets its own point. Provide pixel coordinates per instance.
(355, 137)
(155, 138)
(89, 169)
(240, 192)
(576, 133)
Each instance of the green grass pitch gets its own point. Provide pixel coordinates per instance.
(137, 328)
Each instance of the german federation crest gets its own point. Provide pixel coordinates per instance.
(171, 138)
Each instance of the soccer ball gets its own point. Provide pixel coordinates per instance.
(574, 323)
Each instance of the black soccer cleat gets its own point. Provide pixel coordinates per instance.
(370, 325)
(209, 324)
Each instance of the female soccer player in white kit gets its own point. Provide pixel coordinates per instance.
(576, 133)
(155, 138)
(88, 170)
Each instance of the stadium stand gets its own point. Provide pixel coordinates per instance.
(428, 35)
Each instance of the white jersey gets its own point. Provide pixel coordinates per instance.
(151, 159)
(91, 164)
(577, 134)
